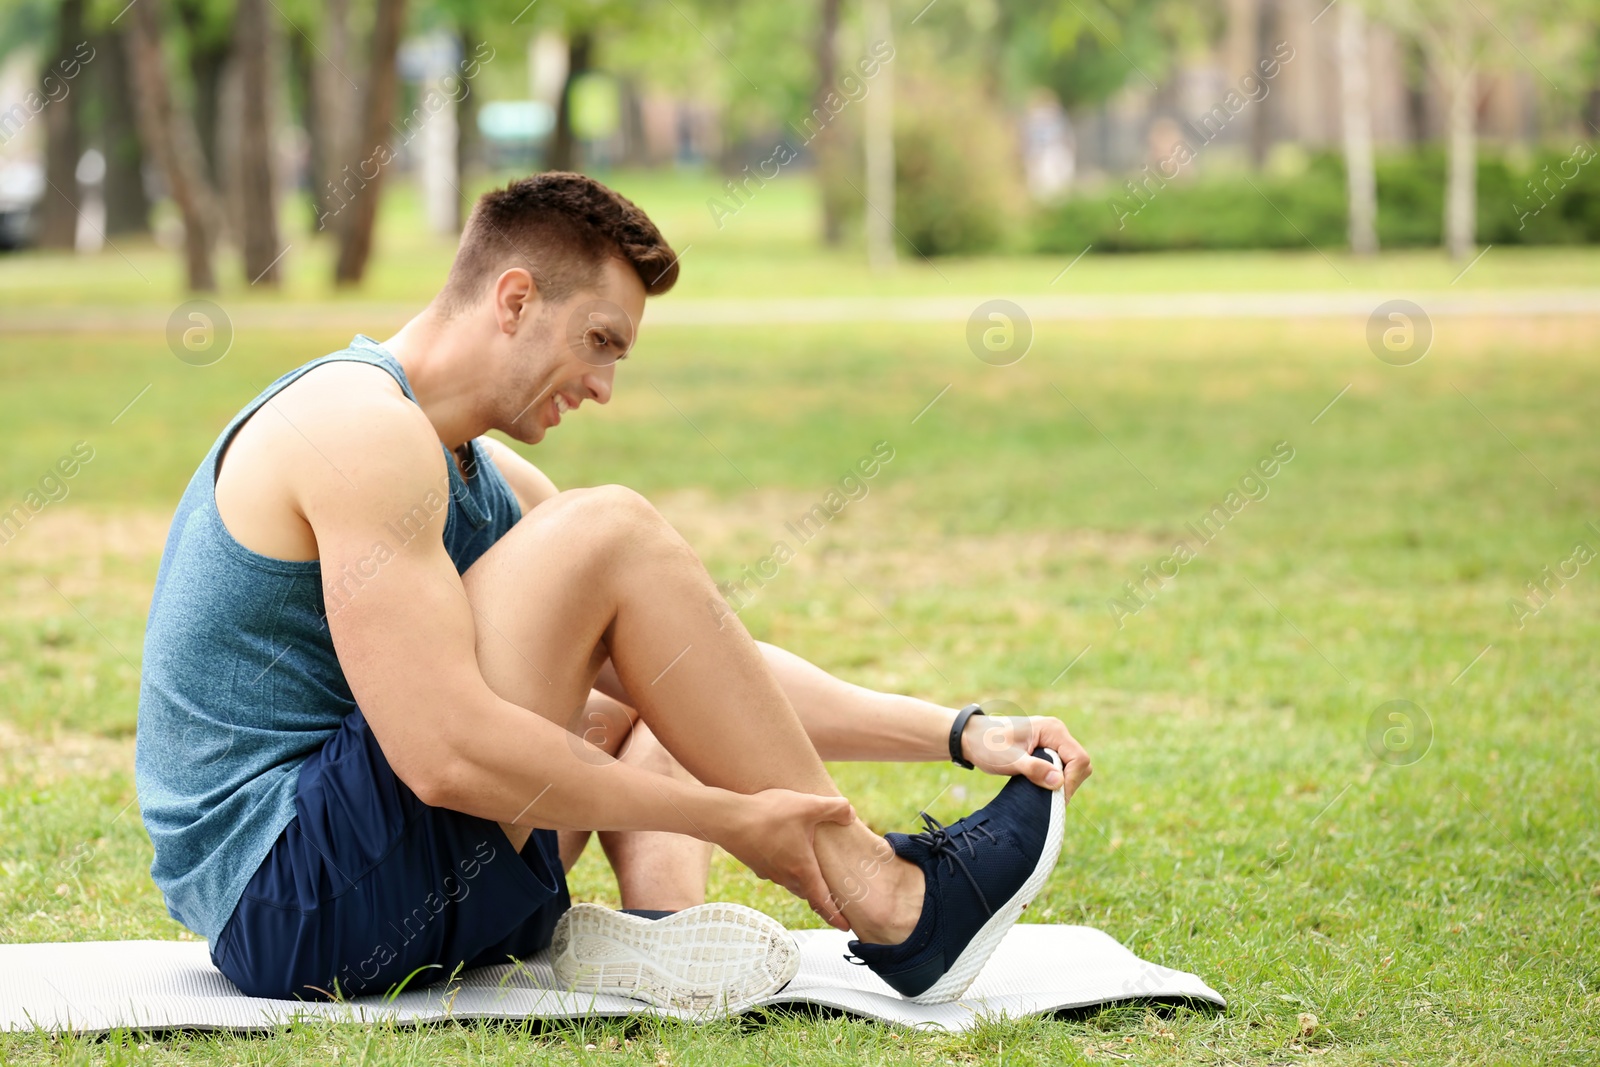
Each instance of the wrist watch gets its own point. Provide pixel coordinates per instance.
(956, 729)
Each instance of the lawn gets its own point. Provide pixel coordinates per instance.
(1430, 896)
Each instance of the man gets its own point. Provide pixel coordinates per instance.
(390, 670)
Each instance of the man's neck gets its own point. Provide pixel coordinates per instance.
(440, 365)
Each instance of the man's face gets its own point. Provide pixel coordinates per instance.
(568, 352)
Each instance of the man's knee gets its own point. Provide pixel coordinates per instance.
(615, 502)
(609, 514)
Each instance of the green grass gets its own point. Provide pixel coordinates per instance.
(1238, 824)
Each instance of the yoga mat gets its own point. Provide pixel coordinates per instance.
(95, 986)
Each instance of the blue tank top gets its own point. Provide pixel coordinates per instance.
(240, 682)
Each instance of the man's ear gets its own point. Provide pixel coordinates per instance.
(515, 297)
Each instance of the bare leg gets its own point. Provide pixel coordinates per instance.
(603, 561)
(655, 871)
(665, 872)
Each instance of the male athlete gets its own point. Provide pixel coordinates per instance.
(393, 680)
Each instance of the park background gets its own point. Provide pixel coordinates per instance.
(1089, 269)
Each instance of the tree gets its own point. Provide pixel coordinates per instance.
(1086, 53)
(827, 150)
(1355, 120)
(377, 108)
(209, 47)
(1457, 62)
(879, 129)
(1460, 43)
(563, 146)
(63, 121)
(258, 222)
(127, 203)
(168, 137)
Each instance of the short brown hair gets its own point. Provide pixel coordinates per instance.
(561, 227)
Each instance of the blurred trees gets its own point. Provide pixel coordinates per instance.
(217, 83)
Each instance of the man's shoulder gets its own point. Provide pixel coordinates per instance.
(370, 437)
(359, 403)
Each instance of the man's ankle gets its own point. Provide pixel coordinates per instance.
(890, 905)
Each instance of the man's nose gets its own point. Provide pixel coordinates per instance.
(599, 382)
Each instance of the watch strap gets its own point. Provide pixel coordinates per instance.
(956, 729)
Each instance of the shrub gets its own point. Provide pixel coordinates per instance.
(1238, 212)
(955, 186)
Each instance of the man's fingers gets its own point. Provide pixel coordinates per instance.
(836, 810)
(1041, 773)
(1077, 769)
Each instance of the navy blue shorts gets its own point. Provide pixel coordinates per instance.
(368, 884)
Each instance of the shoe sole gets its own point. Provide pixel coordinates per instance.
(712, 957)
(965, 970)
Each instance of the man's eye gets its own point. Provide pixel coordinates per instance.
(599, 339)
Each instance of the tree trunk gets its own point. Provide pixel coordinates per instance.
(127, 203)
(1261, 111)
(880, 148)
(168, 137)
(1355, 120)
(63, 125)
(373, 152)
(1418, 120)
(306, 99)
(826, 146)
(335, 115)
(563, 146)
(437, 141)
(634, 154)
(469, 141)
(1461, 194)
(208, 53)
(258, 224)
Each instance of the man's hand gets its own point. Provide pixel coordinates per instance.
(1004, 745)
(771, 833)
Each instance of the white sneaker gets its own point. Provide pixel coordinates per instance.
(712, 957)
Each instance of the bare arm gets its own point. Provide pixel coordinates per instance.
(849, 722)
(405, 638)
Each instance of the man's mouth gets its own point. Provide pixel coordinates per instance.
(558, 406)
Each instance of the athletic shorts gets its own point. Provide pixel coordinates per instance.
(367, 884)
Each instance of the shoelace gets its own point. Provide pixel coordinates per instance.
(947, 846)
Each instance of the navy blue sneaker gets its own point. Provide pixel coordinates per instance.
(981, 872)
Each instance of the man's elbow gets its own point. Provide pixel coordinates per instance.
(435, 787)
(436, 775)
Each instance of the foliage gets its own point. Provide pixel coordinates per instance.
(954, 189)
(1085, 53)
(1236, 212)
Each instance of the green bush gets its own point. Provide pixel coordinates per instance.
(1255, 211)
(954, 189)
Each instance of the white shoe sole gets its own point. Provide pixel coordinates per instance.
(709, 958)
(965, 970)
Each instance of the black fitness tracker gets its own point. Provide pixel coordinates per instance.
(956, 729)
